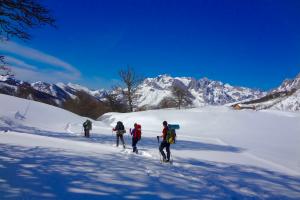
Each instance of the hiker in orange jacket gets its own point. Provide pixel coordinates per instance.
(165, 143)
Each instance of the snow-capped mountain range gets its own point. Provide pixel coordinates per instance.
(286, 97)
(292, 102)
(289, 84)
(201, 92)
(64, 91)
(152, 91)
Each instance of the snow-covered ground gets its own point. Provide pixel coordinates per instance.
(219, 154)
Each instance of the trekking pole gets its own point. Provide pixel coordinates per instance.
(27, 108)
(124, 139)
(171, 157)
(140, 144)
(112, 137)
(158, 148)
(128, 136)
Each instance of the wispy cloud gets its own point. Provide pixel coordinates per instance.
(20, 63)
(32, 75)
(55, 66)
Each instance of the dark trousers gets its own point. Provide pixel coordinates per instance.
(134, 142)
(86, 132)
(120, 136)
(165, 144)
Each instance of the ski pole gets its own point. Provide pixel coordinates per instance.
(112, 137)
(27, 108)
(158, 148)
(128, 136)
(124, 138)
(171, 157)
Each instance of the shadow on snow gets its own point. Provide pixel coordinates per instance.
(43, 173)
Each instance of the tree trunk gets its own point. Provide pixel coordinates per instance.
(130, 99)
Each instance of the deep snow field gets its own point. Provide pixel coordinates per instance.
(219, 154)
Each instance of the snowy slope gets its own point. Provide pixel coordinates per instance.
(219, 154)
(262, 134)
(291, 103)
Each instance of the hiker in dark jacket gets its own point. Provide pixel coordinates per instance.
(136, 136)
(87, 126)
(165, 144)
(120, 130)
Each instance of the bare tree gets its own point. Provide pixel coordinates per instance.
(168, 102)
(2, 61)
(181, 96)
(131, 80)
(114, 102)
(85, 105)
(6, 71)
(18, 16)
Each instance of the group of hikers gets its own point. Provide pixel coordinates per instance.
(168, 136)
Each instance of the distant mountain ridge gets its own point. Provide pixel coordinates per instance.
(202, 92)
(286, 97)
(152, 91)
(289, 84)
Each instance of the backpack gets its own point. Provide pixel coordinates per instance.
(171, 133)
(120, 128)
(87, 125)
(138, 131)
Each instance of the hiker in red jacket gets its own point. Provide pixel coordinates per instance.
(136, 136)
(165, 143)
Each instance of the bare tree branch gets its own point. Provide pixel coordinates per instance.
(2, 62)
(115, 103)
(18, 16)
(6, 71)
(181, 96)
(131, 81)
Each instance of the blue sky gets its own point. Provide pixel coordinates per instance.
(253, 43)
